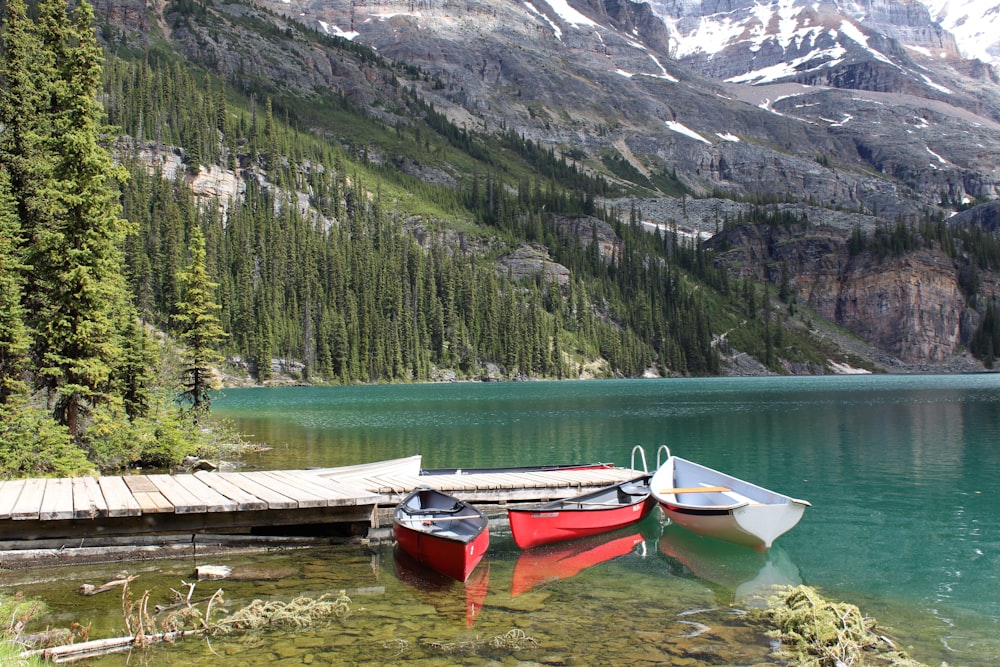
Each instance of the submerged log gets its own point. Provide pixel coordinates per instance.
(90, 589)
(212, 572)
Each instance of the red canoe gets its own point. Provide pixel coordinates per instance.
(442, 532)
(591, 513)
(541, 566)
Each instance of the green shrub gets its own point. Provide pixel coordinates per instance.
(159, 440)
(32, 444)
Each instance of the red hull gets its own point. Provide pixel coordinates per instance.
(457, 559)
(441, 532)
(450, 598)
(541, 566)
(581, 516)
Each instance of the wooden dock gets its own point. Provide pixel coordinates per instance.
(87, 509)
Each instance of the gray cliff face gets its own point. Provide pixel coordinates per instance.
(908, 21)
(985, 217)
(909, 306)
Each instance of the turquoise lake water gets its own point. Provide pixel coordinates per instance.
(903, 473)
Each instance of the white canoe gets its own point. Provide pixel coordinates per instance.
(714, 504)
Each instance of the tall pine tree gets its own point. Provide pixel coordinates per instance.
(14, 340)
(77, 258)
(198, 322)
(21, 62)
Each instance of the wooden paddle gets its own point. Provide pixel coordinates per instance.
(697, 489)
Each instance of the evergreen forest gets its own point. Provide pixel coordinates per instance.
(123, 292)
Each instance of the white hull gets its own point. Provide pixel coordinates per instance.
(409, 465)
(714, 504)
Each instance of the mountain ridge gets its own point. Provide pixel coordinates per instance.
(593, 84)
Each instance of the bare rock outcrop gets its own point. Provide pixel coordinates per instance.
(530, 261)
(911, 306)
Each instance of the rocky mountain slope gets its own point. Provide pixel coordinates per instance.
(974, 23)
(857, 113)
(599, 78)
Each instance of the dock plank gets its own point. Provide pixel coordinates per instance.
(245, 501)
(303, 480)
(119, 498)
(465, 482)
(274, 500)
(406, 483)
(29, 501)
(57, 503)
(153, 503)
(508, 480)
(492, 481)
(345, 493)
(383, 484)
(601, 476)
(9, 492)
(184, 501)
(147, 495)
(549, 479)
(214, 501)
(88, 501)
(304, 497)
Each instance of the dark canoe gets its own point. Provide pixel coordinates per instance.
(441, 531)
(587, 514)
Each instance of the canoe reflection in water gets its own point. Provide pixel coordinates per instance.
(451, 598)
(545, 564)
(746, 575)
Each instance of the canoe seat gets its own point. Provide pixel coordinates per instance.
(726, 491)
(635, 489)
(441, 510)
(737, 497)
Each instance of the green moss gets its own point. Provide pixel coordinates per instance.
(16, 611)
(816, 632)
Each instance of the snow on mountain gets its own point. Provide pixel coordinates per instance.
(703, 29)
(974, 23)
(749, 23)
(843, 43)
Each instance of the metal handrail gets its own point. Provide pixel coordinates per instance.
(642, 454)
(662, 448)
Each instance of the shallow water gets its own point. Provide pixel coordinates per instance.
(903, 474)
(638, 608)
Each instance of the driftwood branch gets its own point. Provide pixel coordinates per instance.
(182, 603)
(90, 589)
(301, 611)
(96, 647)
